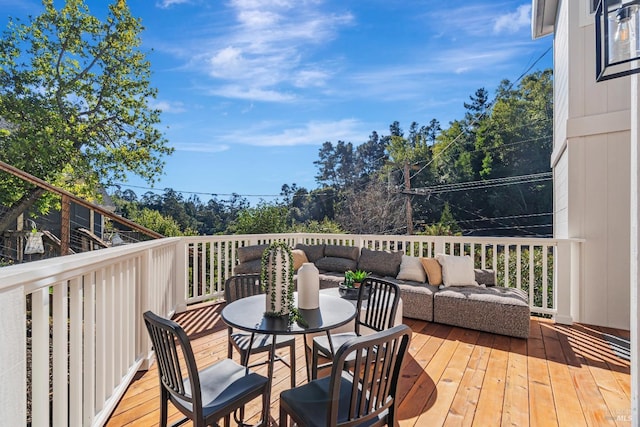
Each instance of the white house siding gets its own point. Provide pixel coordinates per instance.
(591, 169)
(561, 197)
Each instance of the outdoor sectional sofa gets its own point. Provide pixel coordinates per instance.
(482, 305)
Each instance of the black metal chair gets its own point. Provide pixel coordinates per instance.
(203, 396)
(376, 312)
(242, 286)
(363, 396)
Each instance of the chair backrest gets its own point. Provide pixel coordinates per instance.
(242, 286)
(381, 304)
(371, 384)
(168, 338)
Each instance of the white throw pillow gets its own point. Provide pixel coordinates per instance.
(411, 269)
(457, 270)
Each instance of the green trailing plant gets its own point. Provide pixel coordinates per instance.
(277, 266)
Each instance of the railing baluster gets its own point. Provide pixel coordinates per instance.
(545, 275)
(60, 355)
(89, 345)
(75, 351)
(532, 275)
(40, 357)
(519, 266)
(101, 344)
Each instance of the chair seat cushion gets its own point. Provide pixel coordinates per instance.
(322, 342)
(241, 341)
(225, 385)
(310, 401)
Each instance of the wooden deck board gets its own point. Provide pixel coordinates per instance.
(452, 376)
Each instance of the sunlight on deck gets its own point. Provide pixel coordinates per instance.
(561, 375)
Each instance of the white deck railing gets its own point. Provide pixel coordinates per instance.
(75, 322)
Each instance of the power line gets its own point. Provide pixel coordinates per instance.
(476, 119)
(479, 184)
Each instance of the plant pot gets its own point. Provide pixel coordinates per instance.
(351, 293)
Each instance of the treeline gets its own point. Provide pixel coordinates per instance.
(487, 173)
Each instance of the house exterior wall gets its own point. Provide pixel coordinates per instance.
(591, 168)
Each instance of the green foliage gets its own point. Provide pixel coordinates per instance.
(74, 99)
(352, 277)
(325, 226)
(155, 221)
(262, 219)
(447, 226)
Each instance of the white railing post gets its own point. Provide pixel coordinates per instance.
(13, 353)
(146, 303)
(563, 278)
(180, 276)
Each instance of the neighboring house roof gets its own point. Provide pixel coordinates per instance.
(543, 17)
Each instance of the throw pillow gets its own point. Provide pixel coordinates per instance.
(249, 267)
(250, 253)
(313, 252)
(411, 269)
(381, 263)
(335, 264)
(485, 276)
(433, 269)
(340, 251)
(457, 270)
(299, 258)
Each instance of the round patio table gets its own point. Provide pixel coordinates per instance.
(247, 314)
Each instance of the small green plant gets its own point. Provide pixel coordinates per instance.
(353, 277)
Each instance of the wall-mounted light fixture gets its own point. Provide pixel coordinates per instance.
(617, 41)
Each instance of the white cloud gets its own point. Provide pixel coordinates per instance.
(201, 147)
(268, 50)
(252, 93)
(513, 22)
(312, 133)
(164, 4)
(169, 106)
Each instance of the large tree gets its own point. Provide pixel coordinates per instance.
(74, 103)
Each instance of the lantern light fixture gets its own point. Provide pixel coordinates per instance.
(617, 38)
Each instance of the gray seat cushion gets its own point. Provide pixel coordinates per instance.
(495, 309)
(417, 299)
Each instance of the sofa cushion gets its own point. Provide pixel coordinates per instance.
(382, 263)
(299, 258)
(341, 251)
(335, 264)
(417, 299)
(411, 269)
(433, 269)
(494, 309)
(249, 267)
(457, 270)
(250, 253)
(313, 252)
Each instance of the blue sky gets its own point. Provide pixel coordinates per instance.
(250, 89)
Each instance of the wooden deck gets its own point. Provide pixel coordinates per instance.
(565, 376)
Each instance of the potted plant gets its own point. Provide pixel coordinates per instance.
(277, 279)
(355, 277)
(352, 280)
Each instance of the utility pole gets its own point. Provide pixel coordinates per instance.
(407, 189)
